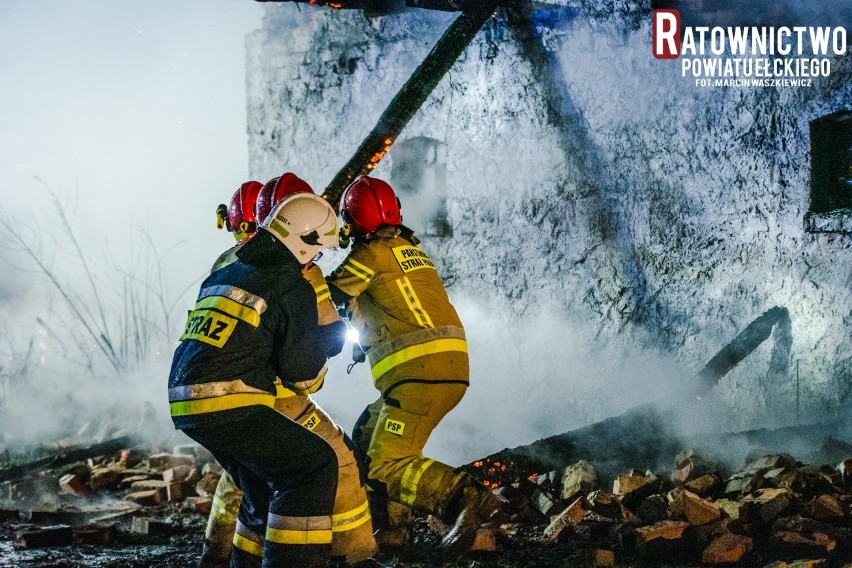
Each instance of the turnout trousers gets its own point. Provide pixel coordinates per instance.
(288, 476)
(390, 436)
(351, 527)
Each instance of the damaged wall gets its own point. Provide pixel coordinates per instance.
(586, 179)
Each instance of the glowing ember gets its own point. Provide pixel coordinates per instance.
(377, 157)
(496, 473)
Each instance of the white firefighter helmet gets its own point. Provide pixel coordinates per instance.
(305, 223)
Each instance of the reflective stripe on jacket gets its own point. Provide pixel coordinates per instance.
(228, 395)
(429, 355)
(250, 324)
(399, 305)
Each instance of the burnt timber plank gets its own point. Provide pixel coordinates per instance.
(410, 98)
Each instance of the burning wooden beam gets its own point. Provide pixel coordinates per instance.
(392, 6)
(644, 435)
(411, 97)
(68, 456)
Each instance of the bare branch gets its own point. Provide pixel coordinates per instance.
(122, 307)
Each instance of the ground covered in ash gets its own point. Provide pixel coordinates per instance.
(181, 550)
(181, 547)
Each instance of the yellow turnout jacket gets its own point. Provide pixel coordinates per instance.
(408, 327)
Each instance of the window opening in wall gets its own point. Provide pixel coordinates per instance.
(831, 173)
(419, 174)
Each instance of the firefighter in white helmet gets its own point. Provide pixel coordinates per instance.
(352, 533)
(255, 323)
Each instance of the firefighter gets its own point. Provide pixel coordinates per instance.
(416, 346)
(352, 534)
(238, 218)
(250, 205)
(256, 320)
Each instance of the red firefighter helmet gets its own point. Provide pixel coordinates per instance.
(239, 216)
(277, 189)
(368, 203)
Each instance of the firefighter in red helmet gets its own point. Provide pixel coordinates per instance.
(417, 350)
(352, 539)
(250, 205)
(277, 189)
(239, 217)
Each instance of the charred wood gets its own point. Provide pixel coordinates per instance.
(742, 346)
(67, 457)
(411, 97)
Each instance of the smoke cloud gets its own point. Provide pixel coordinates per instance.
(531, 377)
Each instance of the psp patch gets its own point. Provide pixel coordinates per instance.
(312, 421)
(394, 427)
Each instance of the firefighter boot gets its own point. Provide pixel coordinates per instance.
(476, 505)
(219, 535)
(212, 557)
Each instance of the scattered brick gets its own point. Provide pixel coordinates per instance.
(149, 497)
(578, 479)
(692, 508)
(743, 483)
(485, 541)
(704, 485)
(571, 516)
(103, 478)
(212, 467)
(150, 526)
(73, 484)
(727, 548)
(58, 535)
(162, 462)
(634, 488)
(771, 461)
(825, 507)
(200, 505)
(793, 543)
(668, 530)
(604, 503)
(653, 508)
(543, 502)
(765, 505)
(181, 474)
(96, 534)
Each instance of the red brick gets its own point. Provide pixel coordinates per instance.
(59, 535)
(727, 548)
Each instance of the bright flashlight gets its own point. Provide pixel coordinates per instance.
(352, 335)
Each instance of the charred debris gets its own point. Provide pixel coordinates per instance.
(629, 490)
(633, 489)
